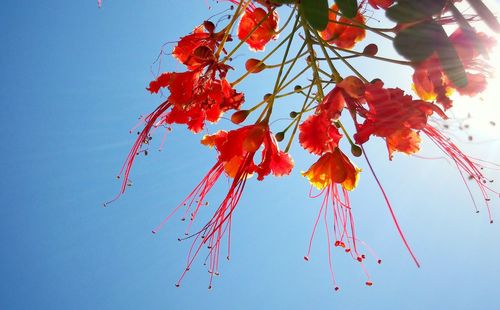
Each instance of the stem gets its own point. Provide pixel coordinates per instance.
(293, 62)
(277, 83)
(287, 21)
(287, 62)
(323, 43)
(312, 59)
(336, 76)
(298, 117)
(237, 13)
(241, 78)
(394, 61)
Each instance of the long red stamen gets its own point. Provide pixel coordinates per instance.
(467, 166)
(342, 230)
(391, 211)
(143, 138)
(216, 228)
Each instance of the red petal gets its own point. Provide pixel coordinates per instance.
(264, 33)
(318, 134)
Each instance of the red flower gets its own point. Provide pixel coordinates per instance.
(196, 49)
(237, 149)
(394, 116)
(342, 31)
(318, 134)
(236, 145)
(431, 83)
(384, 4)
(259, 25)
(197, 97)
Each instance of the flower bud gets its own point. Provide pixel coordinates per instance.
(297, 88)
(280, 136)
(293, 114)
(239, 116)
(370, 50)
(254, 65)
(356, 150)
(209, 26)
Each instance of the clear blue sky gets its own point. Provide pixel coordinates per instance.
(72, 83)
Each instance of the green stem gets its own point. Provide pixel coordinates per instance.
(280, 72)
(241, 78)
(312, 59)
(323, 43)
(228, 28)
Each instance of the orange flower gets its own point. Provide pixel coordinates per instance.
(403, 140)
(342, 31)
(333, 167)
(334, 174)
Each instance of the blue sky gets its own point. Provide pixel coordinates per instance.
(73, 83)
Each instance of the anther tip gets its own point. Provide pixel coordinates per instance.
(306, 258)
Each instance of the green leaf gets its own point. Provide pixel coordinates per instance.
(450, 61)
(403, 12)
(418, 42)
(407, 11)
(315, 12)
(348, 8)
(452, 66)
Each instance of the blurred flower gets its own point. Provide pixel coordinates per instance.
(343, 32)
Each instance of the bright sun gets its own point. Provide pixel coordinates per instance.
(481, 114)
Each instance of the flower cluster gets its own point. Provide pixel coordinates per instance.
(342, 110)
